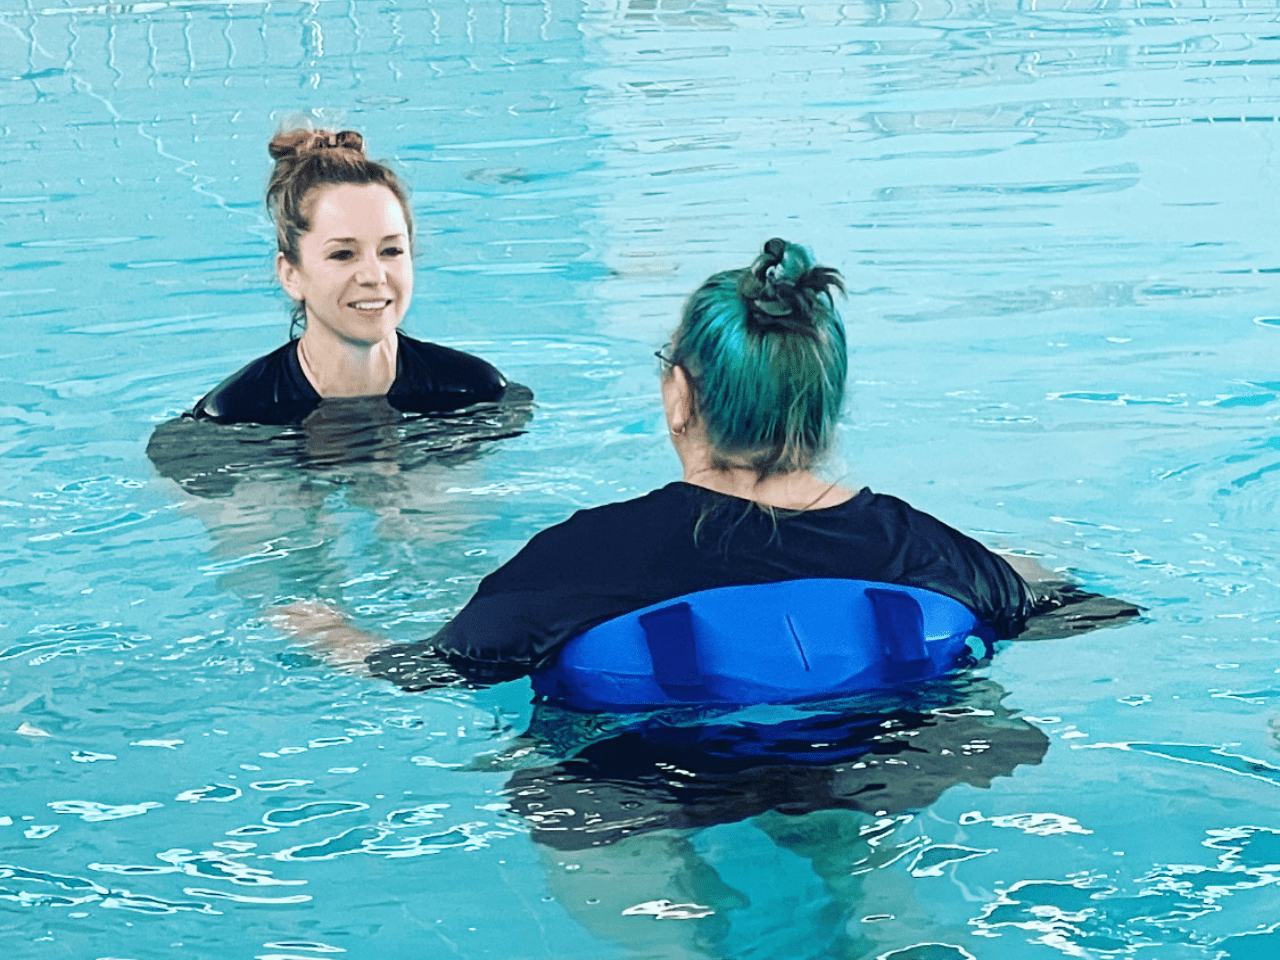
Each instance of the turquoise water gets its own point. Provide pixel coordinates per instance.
(1055, 219)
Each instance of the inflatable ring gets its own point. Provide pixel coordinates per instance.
(780, 642)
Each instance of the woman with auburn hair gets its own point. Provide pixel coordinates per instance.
(344, 233)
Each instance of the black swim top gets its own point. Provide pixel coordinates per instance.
(610, 560)
(274, 390)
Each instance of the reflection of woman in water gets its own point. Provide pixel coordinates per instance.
(344, 234)
(836, 785)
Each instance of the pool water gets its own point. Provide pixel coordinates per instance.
(1055, 219)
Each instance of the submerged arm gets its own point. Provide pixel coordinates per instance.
(329, 635)
(1063, 608)
(1030, 569)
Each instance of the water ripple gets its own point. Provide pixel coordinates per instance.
(32, 888)
(294, 816)
(371, 840)
(1173, 904)
(91, 811)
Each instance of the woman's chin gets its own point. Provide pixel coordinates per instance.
(361, 331)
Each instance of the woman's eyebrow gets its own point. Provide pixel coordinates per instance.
(389, 236)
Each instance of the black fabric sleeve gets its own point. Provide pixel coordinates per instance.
(432, 379)
(951, 563)
(271, 390)
(558, 585)
(1063, 609)
(512, 625)
(940, 558)
(523, 612)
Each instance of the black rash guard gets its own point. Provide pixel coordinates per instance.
(274, 390)
(610, 560)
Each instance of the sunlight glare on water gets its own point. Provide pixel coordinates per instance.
(1055, 223)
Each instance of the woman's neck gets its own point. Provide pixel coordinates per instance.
(797, 490)
(705, 466)
(339, 368)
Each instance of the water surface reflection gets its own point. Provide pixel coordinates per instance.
(617, 816)
(285, 506)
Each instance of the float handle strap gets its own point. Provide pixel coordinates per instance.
(900, 623)
(668, 631)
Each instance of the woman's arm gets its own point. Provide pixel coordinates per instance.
(1062, 608)
(1030, 569)
(325, 632)
(329, 635)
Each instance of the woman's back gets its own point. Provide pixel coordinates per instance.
(680, 539)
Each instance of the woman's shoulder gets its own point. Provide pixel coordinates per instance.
(645, 512)
(431, 377)
(269, 390)
(905, 536)
(884, 509)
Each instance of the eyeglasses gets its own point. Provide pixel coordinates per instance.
(664, 359)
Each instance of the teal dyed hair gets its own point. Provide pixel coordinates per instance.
(765, 352)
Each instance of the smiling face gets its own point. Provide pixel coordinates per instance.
(354, 271)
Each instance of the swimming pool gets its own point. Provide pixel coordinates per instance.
(1055, 219)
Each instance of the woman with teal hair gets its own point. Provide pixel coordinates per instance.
(753, 383)
(754, 380)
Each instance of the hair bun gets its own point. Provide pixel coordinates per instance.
(294, 144)
(783, 288)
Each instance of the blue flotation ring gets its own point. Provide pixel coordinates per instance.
(781, 642)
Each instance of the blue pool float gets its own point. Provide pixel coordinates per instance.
(781, 642)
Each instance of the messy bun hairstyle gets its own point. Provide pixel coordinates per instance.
(307, 159)
(765, 353)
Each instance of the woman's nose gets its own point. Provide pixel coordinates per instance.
(371, 271)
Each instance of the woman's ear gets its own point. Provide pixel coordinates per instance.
(677, 400)
(288, 275)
